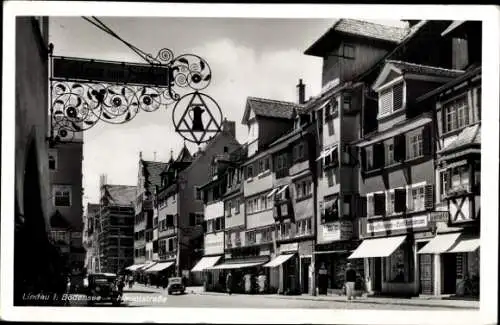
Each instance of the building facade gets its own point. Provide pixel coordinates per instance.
(90, 219)
(115, 228)
(37, 261)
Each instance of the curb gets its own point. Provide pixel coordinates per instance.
(354, 301)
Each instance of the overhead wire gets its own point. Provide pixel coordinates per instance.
(99, 24)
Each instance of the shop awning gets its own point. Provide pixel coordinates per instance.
(205, 263)
(159, 267)
(465, 245)
(146, 266)
(439, 244)
(279, 260)
(282, 189)
(134, 267)
(272, 192)
(379, 247)
(326, 152)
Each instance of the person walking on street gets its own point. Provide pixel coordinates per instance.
(350, 280)
(229, 282)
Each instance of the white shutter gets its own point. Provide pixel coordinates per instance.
(385, 102)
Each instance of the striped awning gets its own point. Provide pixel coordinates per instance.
(159, 267)
(134, 267)
(205, 263)
(279, 260)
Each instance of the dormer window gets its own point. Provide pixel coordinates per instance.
(391, 100)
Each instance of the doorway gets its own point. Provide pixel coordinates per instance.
(305, 263)
(449, 262)
(377, 274)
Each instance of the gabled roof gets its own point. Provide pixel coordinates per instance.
(58, 221)
(153, 171)
(360, 28)
(402, 68)
(270, 108)
(184, 155)
(470, 136)
(123, 195)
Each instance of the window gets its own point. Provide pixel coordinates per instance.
(237, 206)
(249, 171)
(261, 165)
(52, 159)
(298, 152)
(197, 194)
(456, 114)
(415, 146)
(346, 106)
(331, 175)
(370, 212)
(348, 51)
(369, 158)
(460, 177)
(263, 202)
(399, 265)
(391, 100)
(478, 107)
(390, 202)
(416, 199)
(304, 227)
(250, 237)
(210, 225)
(249, 206)
(267, 163)
(229, 207)
(62, 196)
(284, 230)
(389, 151)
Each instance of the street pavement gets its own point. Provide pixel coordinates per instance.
(142, 296)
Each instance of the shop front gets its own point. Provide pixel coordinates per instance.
(248, 274)
(286, 264)
(159, 273)
(455, 258)
(331, 261)
(210, 277)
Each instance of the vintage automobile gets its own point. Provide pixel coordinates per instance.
(101, 288)
(175, 285)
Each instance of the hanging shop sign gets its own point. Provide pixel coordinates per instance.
(397, 224)
(86, 91)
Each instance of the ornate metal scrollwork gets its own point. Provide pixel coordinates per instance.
(79, 105)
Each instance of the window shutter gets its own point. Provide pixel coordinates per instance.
(362, 206)
(427, 140)
(399, 147)
(429, 196)
(397, 97)
(399, 200)
(379, 202)
(378, 155)
(362, 154)
(385, 102)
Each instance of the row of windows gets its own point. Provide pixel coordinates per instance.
(214, 225)
(402, 147)
(460, 178)
(303, 189)
(167, 245)
(406, 199)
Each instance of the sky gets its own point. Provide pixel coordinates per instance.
(248, 57)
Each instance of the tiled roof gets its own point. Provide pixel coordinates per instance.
(407, 67)
(271, 108)
(371, 30)
(469, 136)
(122, 195)
(153, 170)
(361, 28)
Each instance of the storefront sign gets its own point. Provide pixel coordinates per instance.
(214, 243)
(339, 230)
(338, 246)
(439, 216)
(290, 247)
(397, 224)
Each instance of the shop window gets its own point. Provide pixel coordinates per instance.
(399, 266)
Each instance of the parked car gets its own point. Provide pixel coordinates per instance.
(175, 285)
(101, 288)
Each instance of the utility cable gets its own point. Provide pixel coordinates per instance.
(99, 24)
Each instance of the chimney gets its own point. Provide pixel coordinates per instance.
(301, 92)
(229, 127)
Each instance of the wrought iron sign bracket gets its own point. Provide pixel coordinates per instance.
(84, 92)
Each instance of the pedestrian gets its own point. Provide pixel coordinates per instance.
(350, 280)
(229, 282)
